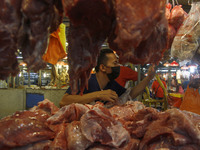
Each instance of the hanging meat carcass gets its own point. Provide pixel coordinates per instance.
(39, 19)
(10, 21)
(26, 25)
(138, 25)
(90, 24)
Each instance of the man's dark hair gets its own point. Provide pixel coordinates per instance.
(102, 59)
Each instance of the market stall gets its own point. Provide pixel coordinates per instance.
(58, 88)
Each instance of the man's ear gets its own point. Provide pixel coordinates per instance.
(102, 68)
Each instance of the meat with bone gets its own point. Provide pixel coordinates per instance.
(91, 22)
(10, 21)
(75, 138)
(97, 125)
(24, 128)
(132, 37)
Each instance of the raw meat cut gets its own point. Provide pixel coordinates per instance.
(126, 112)
(10, 21)
(136, 40)
(140, 121)
(68, 114)
(173, 128)
(168, 11)
(48, 106)
(38, 15)
(44, 145)
(90, 24)
(178, 15)
(60, 141)
(171, 35)
(75, 139)
(24, 128)
(97, 125)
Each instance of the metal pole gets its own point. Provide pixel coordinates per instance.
(29, 81)
(40, 78)
(139, 98)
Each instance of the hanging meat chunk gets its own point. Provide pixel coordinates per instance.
(10, 21)
(136, 36)
(91, 22)
(40, 17)
(178, 15)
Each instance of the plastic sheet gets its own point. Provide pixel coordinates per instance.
(186, 42)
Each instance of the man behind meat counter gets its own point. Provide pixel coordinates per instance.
(102, 86)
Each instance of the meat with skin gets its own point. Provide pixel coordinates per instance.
(26, 125)
(10, 21)
(90, 24)
(97, 125)
(68, 114)
(75, 139)
(38, 15)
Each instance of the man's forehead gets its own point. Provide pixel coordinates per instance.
(111, 57)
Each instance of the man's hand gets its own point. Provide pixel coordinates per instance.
(151, 72)
(107, 95)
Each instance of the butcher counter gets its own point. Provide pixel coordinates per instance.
(12, 100)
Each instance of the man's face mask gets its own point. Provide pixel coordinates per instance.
(114, 74)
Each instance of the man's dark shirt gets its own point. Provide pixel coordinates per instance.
(93, 86)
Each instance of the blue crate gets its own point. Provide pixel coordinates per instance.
(33, 99)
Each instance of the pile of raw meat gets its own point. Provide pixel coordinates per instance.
(79, 127)
(26, 25)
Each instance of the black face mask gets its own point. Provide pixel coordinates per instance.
(114, 74)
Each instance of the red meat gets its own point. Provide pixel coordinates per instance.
(91, 22)
(97, 125)
(75, 139)
(178, 15)
(24, 128)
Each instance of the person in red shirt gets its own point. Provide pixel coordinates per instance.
(157, 90)
(125, 75)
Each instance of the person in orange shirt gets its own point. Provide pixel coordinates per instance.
(157, 90)
(125, 75)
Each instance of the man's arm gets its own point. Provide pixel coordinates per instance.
(105, 95)
(135, 91)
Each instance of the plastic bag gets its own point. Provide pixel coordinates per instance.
(57, 46)
(186, 42)
(191, 101)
